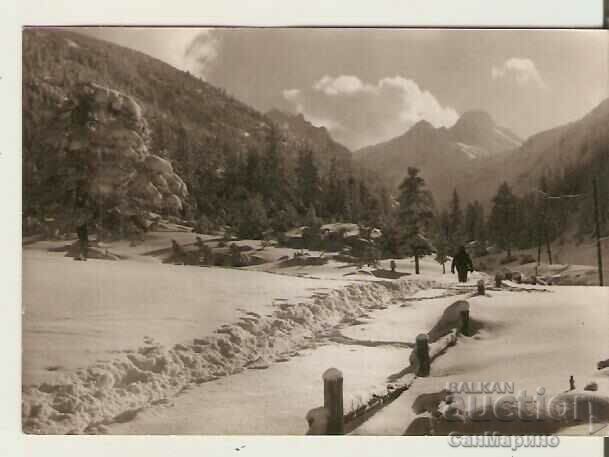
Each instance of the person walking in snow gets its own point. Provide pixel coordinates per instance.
(463, 263)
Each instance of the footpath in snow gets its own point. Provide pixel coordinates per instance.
(105, 340)
(275, 401)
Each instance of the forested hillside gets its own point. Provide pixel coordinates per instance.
(237, 163)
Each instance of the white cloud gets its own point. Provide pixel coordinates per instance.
(419, 104)
(201, 52)
(291, 94)
(521, 70)
(343, 84)
(360, 113)
(296, 99)
(331, 124)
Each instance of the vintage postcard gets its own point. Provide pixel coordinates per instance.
(323, 231)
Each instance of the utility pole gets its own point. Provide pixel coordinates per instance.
(548, 248)
(543, 235)
(540, 234)
(545, 231)
(599, 252)
(540, 237)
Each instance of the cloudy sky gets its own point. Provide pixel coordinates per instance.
(369, 85)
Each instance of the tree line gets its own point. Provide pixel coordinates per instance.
(559, 208)
(261, 191)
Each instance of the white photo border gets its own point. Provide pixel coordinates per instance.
(14, 14)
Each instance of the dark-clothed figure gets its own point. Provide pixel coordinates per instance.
(83, 240)
(463, 263)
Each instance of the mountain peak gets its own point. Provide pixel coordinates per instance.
(298, 126)
(423, 124)
(274, 112)
(477, 128)
(475, 119)
(290, 118)
(422, 127)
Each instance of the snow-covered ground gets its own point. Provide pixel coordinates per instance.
(417, 314)
(533, 340)
(76, 313)
(573, 263)
(138, 347)
(272, 401)
(275, 401)
(104, 339)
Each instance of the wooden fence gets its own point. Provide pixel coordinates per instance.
(330, 419)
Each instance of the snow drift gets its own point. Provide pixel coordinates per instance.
(90, 398)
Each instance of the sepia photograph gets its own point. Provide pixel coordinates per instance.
(315, 231)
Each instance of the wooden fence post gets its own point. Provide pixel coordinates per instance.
(333, 401)
(481, 288)
(465, 322)
(498, 278)
(422, 355)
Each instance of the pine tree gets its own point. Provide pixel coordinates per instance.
(182, 156)
(455, 221)
(444, 224)
(415, 215)
(503, 222)
(442, 250)
(286, 218)
(355, 205)
(370, 206)
(273, 172)
(307, 176)
(385, 203)
(232, 174)
(335, 193)
(474, 222)
(253, 222)
(254, 176)
(481, 230)
(312, 234)
(529, 212)
(390, 236)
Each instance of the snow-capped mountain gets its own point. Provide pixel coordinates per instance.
(443, 154)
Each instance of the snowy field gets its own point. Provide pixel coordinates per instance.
(104, 339)
(76, 313)
(533, 340)
(139, 347)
